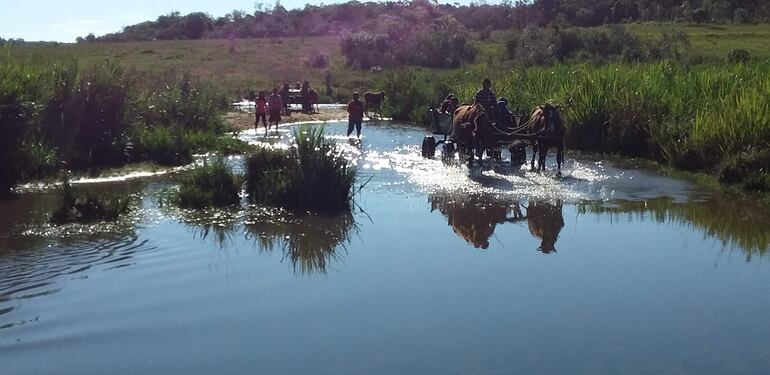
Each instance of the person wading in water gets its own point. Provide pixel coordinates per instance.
(275, 106)
(260, 109)
(355, 115)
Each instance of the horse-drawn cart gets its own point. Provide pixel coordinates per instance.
(471, 131)
(307, 99)
(441, 126)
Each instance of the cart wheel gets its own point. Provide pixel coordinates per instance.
(448, 151)
(429, 147)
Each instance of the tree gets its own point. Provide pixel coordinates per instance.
(196, 24)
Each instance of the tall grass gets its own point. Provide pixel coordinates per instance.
(311, 176)
(211, 185)
(690, 117)
(19, 90)
(85, 114)
(91, 117)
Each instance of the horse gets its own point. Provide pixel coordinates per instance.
(373, 101)
(547, 126)
(470, 130)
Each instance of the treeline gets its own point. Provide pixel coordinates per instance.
(66, 116)
(354, 16)
(542, 46)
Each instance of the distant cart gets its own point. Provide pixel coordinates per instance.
(441, 134)
(309, 101)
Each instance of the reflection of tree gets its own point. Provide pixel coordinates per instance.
(308, 241)
(734, 221)
(474, 218)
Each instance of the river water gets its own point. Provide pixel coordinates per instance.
(440, 270)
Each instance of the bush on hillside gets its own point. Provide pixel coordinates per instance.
(443, 43)
(738, 55)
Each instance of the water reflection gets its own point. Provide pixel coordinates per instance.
(545, 222)
(32, 273)
(736, 222)
(475, 217)
(311, 243)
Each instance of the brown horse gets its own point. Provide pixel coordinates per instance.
(373, 101)
(471, 130)
(547, 125)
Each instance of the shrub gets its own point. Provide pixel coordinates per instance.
(311, 176)
(741, 15)
(18, 92)
(443, 43)
(77, 207)
(316, 60)
(408, 92)
(211, 185)
(184, 104)
(701, 15)
(85, 116)
(163, 145)
(749, 169)
(738, 55)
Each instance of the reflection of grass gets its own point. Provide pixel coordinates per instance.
(309, 241)
(735, 222)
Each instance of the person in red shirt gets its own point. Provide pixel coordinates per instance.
(355, 115)
(260, 109)
(274, 106)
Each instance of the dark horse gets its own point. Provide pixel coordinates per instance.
(547, 126)
(471, 130)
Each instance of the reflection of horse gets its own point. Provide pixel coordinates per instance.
(545, 221)
(475, 218)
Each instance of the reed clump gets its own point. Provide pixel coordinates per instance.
(84, 208)
(211, 185)
(311, 176)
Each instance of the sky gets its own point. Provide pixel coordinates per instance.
(65, 20)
